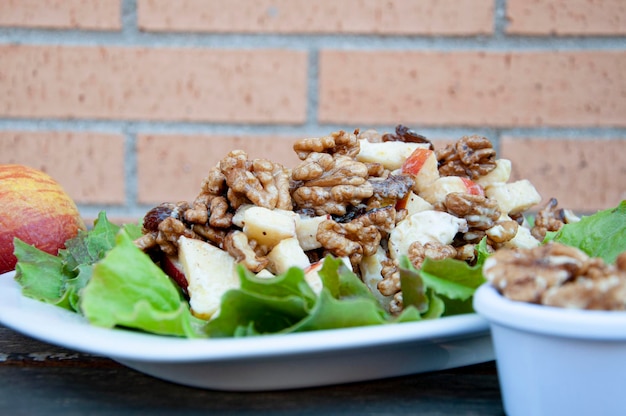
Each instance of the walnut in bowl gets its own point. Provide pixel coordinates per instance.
(558, 327)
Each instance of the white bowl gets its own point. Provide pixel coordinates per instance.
(556, 361)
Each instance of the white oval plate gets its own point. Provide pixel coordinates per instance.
(271, 362)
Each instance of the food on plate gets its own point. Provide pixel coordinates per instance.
(36, 209)
(365, 197)
(366, 229)
(582, 266)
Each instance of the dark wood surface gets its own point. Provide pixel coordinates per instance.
(41, 379)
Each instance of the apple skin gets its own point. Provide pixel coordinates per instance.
(473, 188)
(37, 210)
(174, 269)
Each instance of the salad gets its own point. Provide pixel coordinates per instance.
(368, 229)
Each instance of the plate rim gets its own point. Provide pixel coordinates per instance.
(48, 323)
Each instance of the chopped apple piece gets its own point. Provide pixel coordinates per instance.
(210, 272)
(389, 154)
(514, 197)
(265, 274)
(306, 231)
(523, 239)
(312, 277)
(424, 226)
(239, 217)
(422, 165)
(174, 269)
(413, 203)
(437, 191)
(473, 188)
(268, 227)
(286, 254)
(500, 174)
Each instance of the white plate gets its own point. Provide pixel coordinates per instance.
(270, 362)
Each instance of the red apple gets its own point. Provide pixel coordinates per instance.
(37, 210)
(473, 188)
(422, 165)
(174, 269)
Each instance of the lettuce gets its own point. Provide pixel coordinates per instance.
(104, 276)
(128, 289)
(59, 279)
(602, 234)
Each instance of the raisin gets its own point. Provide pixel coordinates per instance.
(157, 214)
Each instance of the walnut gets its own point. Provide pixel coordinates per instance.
(264, 183)
(549, 218)
(396, 305)
(330, 184)
(170, 230)
(371, 135)
(147, 241)
(470, 157)
(208, 233)
(162, 225)
(503, 231)
(340, 143)
(418, 252)
(480, 212)
(357, 238)
(404, 134)
(608, 295)
(237, 245)
(526, 274)
(220, 216)
(390, 283)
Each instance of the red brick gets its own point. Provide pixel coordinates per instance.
(583, 175)
(262, 86)
(171, 167)
(566, 17)
(583, 88)
(62, 14)
(387, 17)
(89, 166)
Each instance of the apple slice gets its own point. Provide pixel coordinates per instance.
(514, 197)
(389, 154)
(268, 227)
(286, 254)
(424, 226)
(306, 231)
(422, 165)
(312, 277)
(472, 187)
(210, 272)
(436, 192)
(174, 269)
(413, 203)
(500, 174)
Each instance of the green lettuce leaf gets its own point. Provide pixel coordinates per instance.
(128, 289)
(262, 305)
(602, 234)
(286, 303)
(442, 287)
(40, 275)
(58, 280)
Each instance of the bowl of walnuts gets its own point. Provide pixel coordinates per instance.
(558, 324)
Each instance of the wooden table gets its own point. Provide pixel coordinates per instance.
(41, 379)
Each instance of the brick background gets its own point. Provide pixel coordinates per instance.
(130, 102)
(567, 17)
(62, 14)
(400, 17)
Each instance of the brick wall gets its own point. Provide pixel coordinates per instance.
(129, 102)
